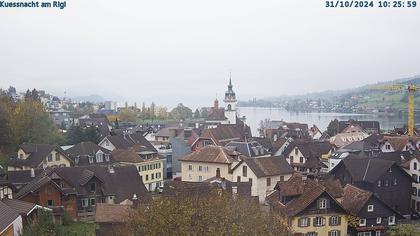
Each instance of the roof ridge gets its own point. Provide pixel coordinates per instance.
(367, 167)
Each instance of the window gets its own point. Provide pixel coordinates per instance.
(250, 181)
(333, 233)
(90, 159)
(377, 233)
(386, 183)
(268, 181)
(414, 191)
(391, 220)
(296, 151)
(244, 171)
(362, 222)
(390, 170)
(99, 157)
(106, 142)
(57, 156)
(388, 147)
(147, 177)
(92, 201)
(395, 181)
(281, 178)
(334, 220)
(303, 222)
(189, 177)
(200, 178)
(50, 157)
(200, 168)
(218, 172)
(319, 221)
(301, 159)
(291, 159)
(21, 156)
(76, 160)
(415, 177)
(153, 175)
(50, 203)
(85, 202)
(378, 220)
(322, 204)
(370, 208)
(238, 179)
(311, 234)
(92, 187)
(206, 169)
(190, 168)
(379, 183)
(415, 165)
(107, 157)
(364, 234)
(139, 168)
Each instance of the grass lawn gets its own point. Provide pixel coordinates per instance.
(76, 229)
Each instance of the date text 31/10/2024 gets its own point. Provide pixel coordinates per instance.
(366, 4)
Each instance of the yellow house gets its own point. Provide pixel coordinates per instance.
(38, 156)
(208, 162)
(311, 207)
(149, 165)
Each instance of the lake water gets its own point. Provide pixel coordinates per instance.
(255, 114)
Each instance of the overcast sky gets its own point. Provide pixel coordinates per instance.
(182, 50)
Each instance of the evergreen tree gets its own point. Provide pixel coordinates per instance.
(332, 128)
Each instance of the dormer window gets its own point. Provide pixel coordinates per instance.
(99, 157)
(106, 142)
(322, 203)
(92, 187)
(21, 156)
(388, 147)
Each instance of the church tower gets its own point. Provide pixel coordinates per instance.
(230, 104)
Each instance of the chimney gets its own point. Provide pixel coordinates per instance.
(136, 201)
(32, 173)
(217, 173)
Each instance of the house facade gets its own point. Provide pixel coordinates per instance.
(310, 207)
(412, 167)
(383, 178)
(373, 216)
(208, 162)
(38, 156)
(262, 173)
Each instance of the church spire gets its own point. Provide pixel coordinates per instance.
(230, 80)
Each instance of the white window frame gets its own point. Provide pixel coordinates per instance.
(334, 220)
(391, 220)
(333, 233)
(378, 233)
(362, 222)
(378, 220)
(320, 223)
(322, 204)
(370, 208)
(304, 222)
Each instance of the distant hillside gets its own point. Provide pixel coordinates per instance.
(328, 94)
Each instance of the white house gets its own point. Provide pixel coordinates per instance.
(263, 173)
(412, 167)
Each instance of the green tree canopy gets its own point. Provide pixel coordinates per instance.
(181, 112)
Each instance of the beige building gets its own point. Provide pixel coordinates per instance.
(208, 162)
(311, 207)
(149, 166)
(263, 173)
(38, 156)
